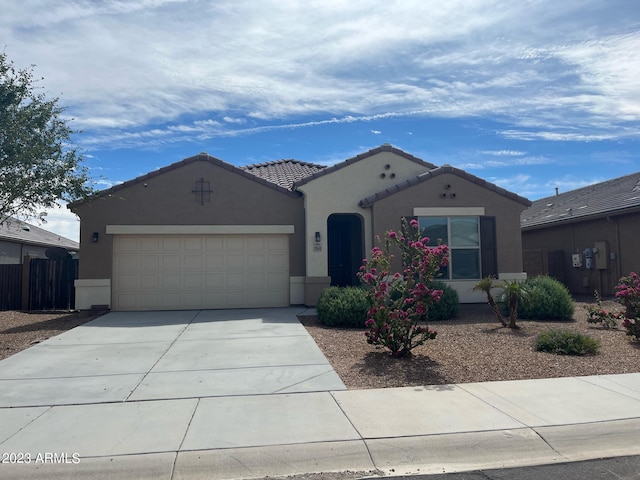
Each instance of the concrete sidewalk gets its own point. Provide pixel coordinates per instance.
(182, 431)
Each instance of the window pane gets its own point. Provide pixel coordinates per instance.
(464, 232)
(435, 228)
(465, 263)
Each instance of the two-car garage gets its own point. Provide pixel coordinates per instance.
(175, 271)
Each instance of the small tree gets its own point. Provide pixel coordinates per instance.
(400, 301)
(485, 285)
(37, 164)
(512, 293)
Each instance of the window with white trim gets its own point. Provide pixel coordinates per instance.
(462, 236)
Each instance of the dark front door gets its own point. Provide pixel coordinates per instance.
(344, 248)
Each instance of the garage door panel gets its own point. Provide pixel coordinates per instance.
(193, 262)
(235, 281)
(214, 280)
(148, 263)
(172, 281)
(214, 244)
(148, 244)
(193, 281)
(234, 243)
(200, 271)
(147, 301)
(126, 244)
(214, 262)
(148, 282)
(255, 280)
(171, 263)
(278, 243)
(126, 262)
(277, 261)
(256, 261)
(256, 244)
(235, 262)
(171, 243)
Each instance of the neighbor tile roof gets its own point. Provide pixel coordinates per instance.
(283, 172)
(14, 230)
(607, 198)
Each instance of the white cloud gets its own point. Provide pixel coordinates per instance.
(125, 68)
(504, 153)
(62, 221)
(376, 132)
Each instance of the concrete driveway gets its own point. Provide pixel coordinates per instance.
(248, 394)
(133, 356)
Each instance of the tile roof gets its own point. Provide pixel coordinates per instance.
(283, 172)
(367, 202)
(607, 198)
(202, 157)
(14, 230)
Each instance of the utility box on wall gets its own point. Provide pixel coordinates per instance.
(576, 260)
(601, 255)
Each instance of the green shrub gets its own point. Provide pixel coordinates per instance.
(546, 298)
(566, 342)
(344, 307)
(448, 306)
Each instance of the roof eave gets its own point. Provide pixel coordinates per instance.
(200, 157)
(581, 218)
(382, 148)
(369, 201)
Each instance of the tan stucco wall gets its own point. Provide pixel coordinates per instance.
(167, 199)
(340, 192)
(621, 235)
(388, 212)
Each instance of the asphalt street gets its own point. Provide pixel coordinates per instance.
(619, 468)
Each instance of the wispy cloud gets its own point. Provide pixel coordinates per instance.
(504, 153)
(139, 65)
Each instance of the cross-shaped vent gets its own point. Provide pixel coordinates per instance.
(203, 191)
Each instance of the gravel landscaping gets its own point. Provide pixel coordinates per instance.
(474, 347)
(20, 330)
(471, 348)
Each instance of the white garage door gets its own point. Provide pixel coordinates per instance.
(175, 272)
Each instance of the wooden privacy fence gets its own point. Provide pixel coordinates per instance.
(10, 287)
(51, 284)
(39, 284)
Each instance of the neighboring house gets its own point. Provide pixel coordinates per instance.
(202, 233)
(19, 239)
(586, 238)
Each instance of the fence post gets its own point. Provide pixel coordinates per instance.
(25, 282)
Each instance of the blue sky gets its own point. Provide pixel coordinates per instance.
(530, 95)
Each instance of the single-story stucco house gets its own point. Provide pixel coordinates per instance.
(203, 233)
(586, 238)
(19, 239)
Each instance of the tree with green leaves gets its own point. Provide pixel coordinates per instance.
(38, 164)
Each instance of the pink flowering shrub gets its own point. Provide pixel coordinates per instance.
(400, 301)
(597, 314)
(628, 294)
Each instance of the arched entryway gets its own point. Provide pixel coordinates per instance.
(345, 248)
